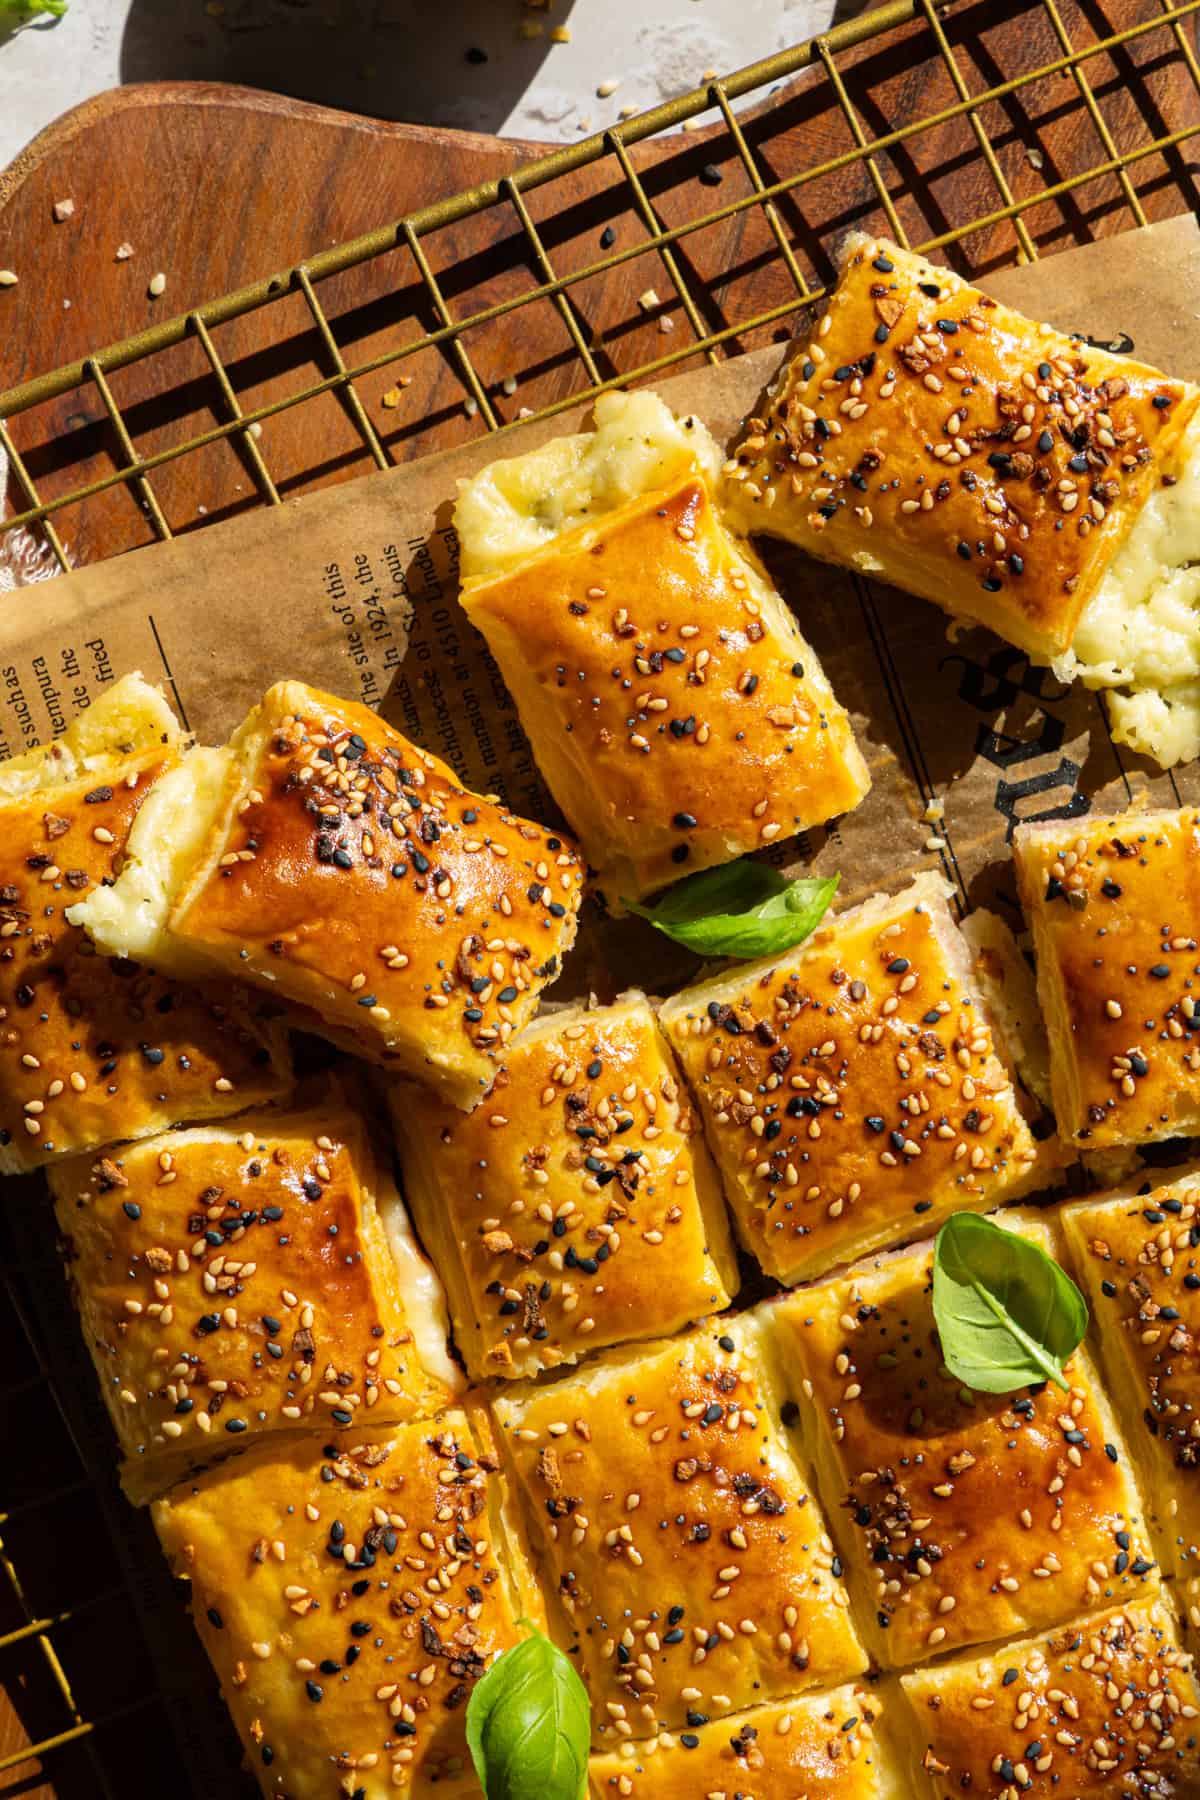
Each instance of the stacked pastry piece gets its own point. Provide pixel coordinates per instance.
(788, 1553)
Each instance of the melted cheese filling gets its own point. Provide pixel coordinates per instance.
(511, 510)
(424, 1301)
(129, 717)
(1140, 632)
(130, 917)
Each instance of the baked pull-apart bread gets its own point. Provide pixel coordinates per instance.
(1138, 1258)
(577, 1205)
(325, 858)
(681, 1539)
(1105, 1709)
(350, 1590)
(963, 1515)
(930, 437)
(252, 1277)
(851, 1091)
(823, 1747)
(1113, 905)
(673, 705)
(94, 1048)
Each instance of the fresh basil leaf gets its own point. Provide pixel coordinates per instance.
(31, 9)
(529, 1724)
(1006, 1313)
(743, 909)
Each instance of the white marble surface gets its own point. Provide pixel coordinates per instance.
(401, 59)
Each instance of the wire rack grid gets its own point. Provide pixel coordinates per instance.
(79, 1733)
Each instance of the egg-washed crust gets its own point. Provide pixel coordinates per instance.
(851, 1091)
(674, 706)
(824, 1746)
(1112, 903)
(577, 1206)
(931, 437)
(94, 1049)
(680, 1536)
(236, 1280)
(349, 1594)
(1104, 1709)
(346, 870)
(1137, 1256)
(962, 1516)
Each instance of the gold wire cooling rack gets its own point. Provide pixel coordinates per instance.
(989, 132)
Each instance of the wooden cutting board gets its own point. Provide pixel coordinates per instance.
(214, 186)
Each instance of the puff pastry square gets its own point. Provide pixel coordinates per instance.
(935, 439)
(349, 1595)
(679, 1533)
(1112, 903)
(851, 1091)
(1138, 1258)
(964, 1516)
(1104, 1709)
(322, 856)
(824, 1745)
(577, 1206)
(254, 1277)
(94, 1049)
(673, 705)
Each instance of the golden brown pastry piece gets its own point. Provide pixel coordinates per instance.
(94, 1049)
(681, 1537)
(964, 1516)
(350, 1594)
(1113, 904)
(823, 1746)
(1103, 1709)
(577, 1206)
(673, 705)
(244, 1278)
(1138, 1258)
(851, 1090)
(932, 438)
(323, 857)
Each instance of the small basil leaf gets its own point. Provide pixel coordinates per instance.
(30, 9)
(743, 909)
(529, 1725)
(1006, 1313)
